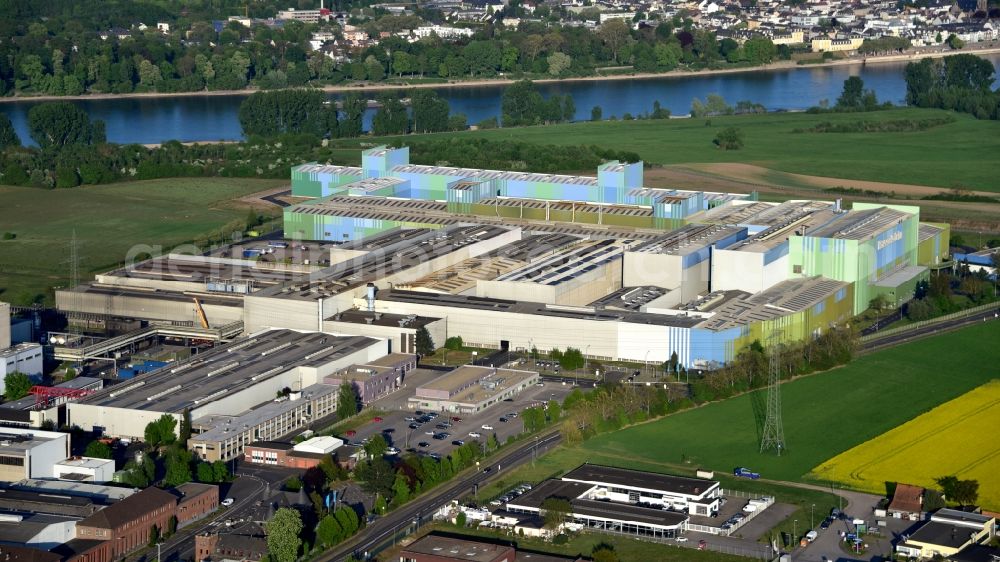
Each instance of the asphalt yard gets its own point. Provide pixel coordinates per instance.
(403, 429)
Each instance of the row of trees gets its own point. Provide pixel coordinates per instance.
(959, 82)
(167, 459)
(65, 54)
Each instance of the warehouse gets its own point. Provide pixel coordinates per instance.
(470, 389)
(508, 324)
(375, 379)
(679, 260)
(22, 358)
(226, 380)
(33, 411)
(399, 329)
(573, 276)
(29, 453)
(306, 304)
(761, 260)
(868, 245)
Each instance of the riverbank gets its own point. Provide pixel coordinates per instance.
(989, 49)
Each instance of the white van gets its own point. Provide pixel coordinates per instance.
(811, 536)
(750, 507)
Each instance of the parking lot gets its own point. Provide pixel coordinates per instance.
(403, 428)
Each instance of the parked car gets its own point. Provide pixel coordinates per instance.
(475, 434)
(389, 430)
(392, 451)
(503, 420)
(414, 426)
(681, 539)
(702, 545)
(487, 427)
(743, 472)
(423, 444)
(826, 523)
(487, 470)
(410, 419)
(811, 536)
(456, 419)
(430, 432)
(226, 502)
(512, 415)
(377, 419)
(458, 442)
(350, 433)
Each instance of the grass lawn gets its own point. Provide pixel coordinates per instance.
(824, 414)
(109, 221)
(959, 154)
(583, 544)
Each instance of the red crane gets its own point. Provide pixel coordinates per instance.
(45, 394)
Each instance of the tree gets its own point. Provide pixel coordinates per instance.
(376, 476)
(205, 473)
(520, 104)
(154, 535)
(571, 359)
(430, 111)
(962, 492)
(354, 111)
(220, 471)
(161, 431)
(558, 63)
(391, 117)
(376, 446)
(8, 136)
(955, 42)
(615, 34)
(851, 96)
(283, 535)
(596, 113)
(98, 450)
(424, 343)
(730, 138)
(277, 112)
(57, 124)
(460, 519)
(16, 386)
(178, 467)
(454, 343)
(185, 431)
(347, 400)
(569, 108)
(555, 511)
(329, 531)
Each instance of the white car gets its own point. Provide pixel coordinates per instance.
(487, 427)
(475, 434)
(227, 502)
(392, 451)
(681, 539)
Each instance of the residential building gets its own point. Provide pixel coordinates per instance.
(124, 527)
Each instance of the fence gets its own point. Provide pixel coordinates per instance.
(969, 312)
(768, 501)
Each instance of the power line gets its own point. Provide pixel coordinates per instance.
(773, 436)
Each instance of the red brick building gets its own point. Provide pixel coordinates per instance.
(249, 545)
(277, 453)
(196, 500)
(124, 526)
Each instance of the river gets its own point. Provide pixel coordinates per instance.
(212, 118)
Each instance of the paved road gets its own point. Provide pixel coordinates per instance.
(383, 529)
(925, 331)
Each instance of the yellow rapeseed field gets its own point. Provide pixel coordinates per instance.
(958, 437)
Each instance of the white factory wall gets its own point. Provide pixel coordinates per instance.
(4, 325)
(113, 422)
(24, 358)
(149, 308)
(167, 284)
(260, 313)
(694, 280)
(733, 270)
(338, 255)
(437, 329)
(53, 535)
(105, 472)
(653, 344)
(594, 338)
(42, 457)
(646, 268)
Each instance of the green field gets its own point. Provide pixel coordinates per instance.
(109, 220)
(824, 414)
(958, 154)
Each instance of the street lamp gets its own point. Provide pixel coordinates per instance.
(795, 530)
(158, 558)
(812, 516)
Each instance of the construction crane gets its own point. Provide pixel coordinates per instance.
(201, 313)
